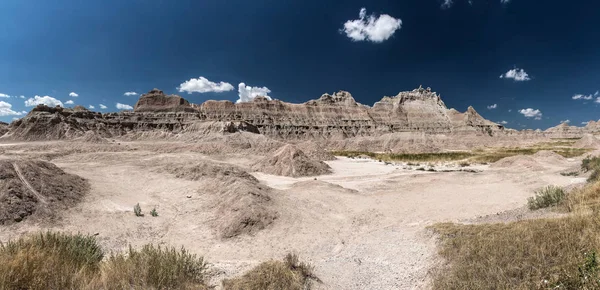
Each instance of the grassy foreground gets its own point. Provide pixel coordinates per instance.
(62, 261)
(554, 253)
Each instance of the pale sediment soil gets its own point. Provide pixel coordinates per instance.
(362, 227)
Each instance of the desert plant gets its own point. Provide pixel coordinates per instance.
(49, 261)
(546, 197)
(153, 212)
(137, 209)
(570, 173)
(287, 274)
(154, 268)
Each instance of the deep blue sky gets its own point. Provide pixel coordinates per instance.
(101, 49)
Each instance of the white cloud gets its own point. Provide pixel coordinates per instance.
(124, 107)
(531, 113)
(69, 102)
(91, 107)
(584, 123)
(448, 3)
(73, 95)
(519, 75)
(46, 100)
(566, 121)
(503, 122)
(22, 97)
(103, 106)
(504, 1)
(491, 107)
(586, 97)
(510, 110)
(130, 94)
(248, 93)
(371, 28)
(4, 95)
(202, 85)
(6, 110)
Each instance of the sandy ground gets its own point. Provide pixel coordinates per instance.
(362, 227)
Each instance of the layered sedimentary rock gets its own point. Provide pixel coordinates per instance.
(331, 117)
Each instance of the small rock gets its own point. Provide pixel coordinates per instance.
(189, 196)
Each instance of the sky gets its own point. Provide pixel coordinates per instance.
(527, 64)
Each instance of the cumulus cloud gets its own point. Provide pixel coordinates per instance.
(503, 122)
(130, 94)
(91, 107)
(124, 107)
(491, 107)
(203, 85)
(531, 113)
(448, 3)
(584, 123)
(248, 93)
(22, 97)
(73, 95)
(46, 100)
(69, 102)
(6, 110)
(587, 97)
(371, 28)
(519, 75)
(103, 106)
(4, 95)
(566, 121)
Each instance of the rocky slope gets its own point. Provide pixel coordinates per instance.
(336, 116)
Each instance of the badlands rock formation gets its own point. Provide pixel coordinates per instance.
(291, 161)
(413, 117)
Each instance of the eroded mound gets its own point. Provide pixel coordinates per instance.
(587, 141)
(549, 157)
(518, 161)
(34, 188)
(315, 151)
(239, 203)
(291, 161)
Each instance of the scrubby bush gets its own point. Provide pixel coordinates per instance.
(154, 268)
(49, 261)
(63, 261)
(138, 210)
(153, 212)
(288, 274)
(546, 197)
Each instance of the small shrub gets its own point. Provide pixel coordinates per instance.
(588, 276)
(431, 170)
(464, 164)
(287, 274)
(546, 197)
(421, 169)
(571, 173)
(594, 176)
(138, 210)
(153, 212)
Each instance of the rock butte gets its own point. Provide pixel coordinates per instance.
(331, 117)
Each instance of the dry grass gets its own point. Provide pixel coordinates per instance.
(557, 253)
(479, 155)
(62, 261)
(288, 274)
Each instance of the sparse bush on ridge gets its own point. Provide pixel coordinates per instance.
(290, 274)
(546, 197)
(153, 212)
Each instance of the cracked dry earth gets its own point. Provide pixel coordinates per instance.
(363, 227)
